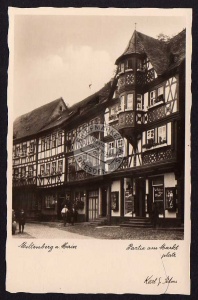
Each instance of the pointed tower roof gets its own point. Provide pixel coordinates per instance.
(156, 51)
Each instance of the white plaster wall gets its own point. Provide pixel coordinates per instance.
(115, 187)
(169, 133)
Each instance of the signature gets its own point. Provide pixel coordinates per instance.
(159, 280)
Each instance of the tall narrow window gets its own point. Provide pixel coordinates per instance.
(160, 94)
(24, 149)
(59, 138)
(150, 136)
(42, 169)
(53, 140)
(53, 167)
(122, 102)
(17, 151)
(23, 172)
(152, 98)
(122, 67)
(162, 134)
(129, 104)
(60, 166)
(32, 147)
(48, 143)
(48, 169)
(30, 171)
(139, 102)
(43, 145)
(111, 149)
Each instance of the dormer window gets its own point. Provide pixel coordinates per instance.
(60, 108)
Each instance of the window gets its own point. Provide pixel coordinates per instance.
(139, 65)
(122, 102)
(139, 102)
(24, 149)
(43, 145)
(129, 104)
(160, 94)
(50, 201)
(120, 145)
(150, 136)
(30, 171)
(32, 147)
(59, 138)
(17, 151)
(42, 169)
(16, 172)
(48, 169)
(47, 143)
(60, 166)
(152, 98)
(162, 134)
(122, 67)
(53, 167)
(53, 140)
(129, 64)
(23, 171)
(111, 149)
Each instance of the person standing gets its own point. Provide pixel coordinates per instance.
(21, 220)
(64, 213)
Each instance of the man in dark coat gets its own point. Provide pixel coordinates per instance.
(21, 219)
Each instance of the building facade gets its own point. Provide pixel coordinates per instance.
(145, 103)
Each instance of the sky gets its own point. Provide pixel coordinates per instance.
(61, 55)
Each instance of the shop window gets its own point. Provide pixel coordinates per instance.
(50, 201)
(162, 135)
(43, 145)
(139, 102)
(158, 193)
(129, 102)
(47, 143)
(59, 138)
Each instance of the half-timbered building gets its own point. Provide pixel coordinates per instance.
(145, 103)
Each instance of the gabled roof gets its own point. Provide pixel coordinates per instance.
(158, 52)
(32, 122)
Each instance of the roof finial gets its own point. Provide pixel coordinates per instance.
(135, 26)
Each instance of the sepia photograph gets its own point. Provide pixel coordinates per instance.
(98, 127)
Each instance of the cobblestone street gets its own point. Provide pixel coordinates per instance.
(50, 230)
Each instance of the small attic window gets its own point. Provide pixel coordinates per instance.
(61, 108)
